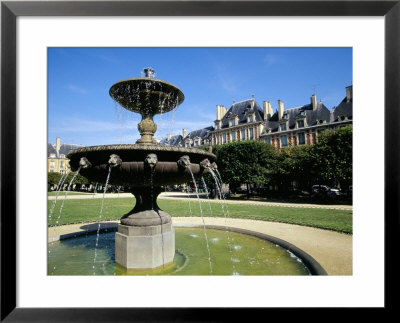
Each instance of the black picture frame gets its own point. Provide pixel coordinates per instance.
(10, 10)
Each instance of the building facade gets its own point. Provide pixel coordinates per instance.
(57, 162)
(246, 120)
(301, 125)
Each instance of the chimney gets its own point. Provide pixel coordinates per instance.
(58, 144)
(314, 102)
(220, 112)
(349, 93)
(169, 136)
(280, 109)
(184, 133)
(267, 110)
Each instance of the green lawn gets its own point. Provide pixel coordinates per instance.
(87, 210)
(62, 193)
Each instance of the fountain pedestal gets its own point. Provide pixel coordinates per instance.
(145, 247)
(145, 237)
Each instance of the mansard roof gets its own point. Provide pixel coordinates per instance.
(311, 116)
(176, 140)
(51, 150)
(241, 109)
(202, 133)
(345, 108)
(65, 149)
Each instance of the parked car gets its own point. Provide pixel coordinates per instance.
(325, 189)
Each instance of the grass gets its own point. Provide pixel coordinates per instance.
(88, 210)
(62, 193)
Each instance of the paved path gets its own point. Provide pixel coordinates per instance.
(185, 196)
(332, 250)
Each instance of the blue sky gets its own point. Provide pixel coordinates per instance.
(80, 110)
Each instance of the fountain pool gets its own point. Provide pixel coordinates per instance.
(244, 255)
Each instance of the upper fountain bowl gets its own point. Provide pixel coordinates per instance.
(147, 96)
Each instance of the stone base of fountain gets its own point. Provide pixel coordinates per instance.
(144, 247)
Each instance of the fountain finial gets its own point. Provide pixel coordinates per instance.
(149, 72)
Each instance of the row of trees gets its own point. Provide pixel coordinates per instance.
(328, 162)
(55, 179)
(255, 163)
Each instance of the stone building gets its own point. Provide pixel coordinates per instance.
(56, 156)
(301, 125)
(246, 120)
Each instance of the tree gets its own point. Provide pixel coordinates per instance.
(333, 157)
(296, 164)
(79, 180)
(53, 179)
(246, 162)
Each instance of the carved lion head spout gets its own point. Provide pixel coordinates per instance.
(114, 160)
(183, 162)
(151, 160)
(84, 163)
(205, 163)
(214, 166)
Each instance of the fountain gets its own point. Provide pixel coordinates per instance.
(145, 238)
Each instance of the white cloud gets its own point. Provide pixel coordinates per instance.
(81, 125)
(76, 89)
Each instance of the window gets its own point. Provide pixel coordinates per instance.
(251, 130)
(233, 136)
(52, 155)
(284, 141)
(300, 124)
(268, 140)
(302, 113)
(302, 138)
(62, 165)
(243, 134)
(285, 116)
(224, 138)
(283, 126)
(233, 122)
(250, 118)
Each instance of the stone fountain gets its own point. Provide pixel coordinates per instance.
(145, 238)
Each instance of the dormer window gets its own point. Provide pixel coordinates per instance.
(300, 124)
(283, 126)
(52, 155)
(62, 156)
(302, 113)
(250, 118)
(285, 116)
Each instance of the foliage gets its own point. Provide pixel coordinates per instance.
(53, 178)
(296, 163)
(333, 157)
(248, 162)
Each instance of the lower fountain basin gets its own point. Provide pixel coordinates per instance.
(232, 253)
(133, 171)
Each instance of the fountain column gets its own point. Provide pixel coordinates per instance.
(145, 237)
